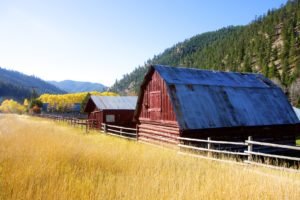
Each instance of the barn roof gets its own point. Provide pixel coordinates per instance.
(114, 102)
(205, 99)
(179, 75)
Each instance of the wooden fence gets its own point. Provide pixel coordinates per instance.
(124, 132)
(70, 120)
(248, 154)
(191, 144)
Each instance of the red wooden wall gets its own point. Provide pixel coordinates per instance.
(122, 118)
(156, 105)
(157, 120)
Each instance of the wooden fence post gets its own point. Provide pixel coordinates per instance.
(105, 128)
(209, 147)
(86, 126)
(121, 131)
(250, 148)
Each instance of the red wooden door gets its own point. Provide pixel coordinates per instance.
(155, 105)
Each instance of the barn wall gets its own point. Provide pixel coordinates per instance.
(156, 106)
(122, 117)
(96, 118)
(158, 133)
(157, 118)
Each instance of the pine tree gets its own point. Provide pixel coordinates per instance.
(84, 102)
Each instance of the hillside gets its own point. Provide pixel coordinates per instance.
(78, 86)
(268, 45)
(18, 86)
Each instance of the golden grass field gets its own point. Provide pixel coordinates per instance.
(41, 159)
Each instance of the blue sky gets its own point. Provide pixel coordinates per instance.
(99, 41)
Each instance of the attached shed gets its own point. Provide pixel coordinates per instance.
(113, 110)
(195, 103)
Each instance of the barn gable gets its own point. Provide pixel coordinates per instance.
(203, 99)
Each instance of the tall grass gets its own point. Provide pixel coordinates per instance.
(40, 159)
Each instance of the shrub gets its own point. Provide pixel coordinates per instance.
(11, 106)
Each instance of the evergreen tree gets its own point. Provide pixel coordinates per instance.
(84, 102)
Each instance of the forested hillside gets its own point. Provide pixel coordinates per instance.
(15, 85)
(269, 45)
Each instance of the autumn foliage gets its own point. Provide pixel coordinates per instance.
(11, 106)
(64, 102)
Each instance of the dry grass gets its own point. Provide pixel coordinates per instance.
(40, 159)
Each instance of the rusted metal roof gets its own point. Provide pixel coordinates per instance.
(205, 99)
(114, 102)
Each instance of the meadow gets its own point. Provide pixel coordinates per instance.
(41, 159)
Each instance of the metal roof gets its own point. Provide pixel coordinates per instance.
(210, 99)
(179, 75)
(115, 102)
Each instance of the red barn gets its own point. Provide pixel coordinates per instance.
(113, 110)
(197, 103)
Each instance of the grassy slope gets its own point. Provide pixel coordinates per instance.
(43, 160)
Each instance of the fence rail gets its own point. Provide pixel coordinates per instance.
(124, 132)
(248, 144)
(273, 145)
(196, 145)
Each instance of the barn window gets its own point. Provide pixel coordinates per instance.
(155, 101)
(110, 118)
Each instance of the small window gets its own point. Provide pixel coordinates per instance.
(110, 118)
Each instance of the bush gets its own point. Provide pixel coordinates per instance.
(36, 102)
(11, 106)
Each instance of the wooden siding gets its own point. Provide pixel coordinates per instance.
(97, 119)
(122, 117)
(157, 118)
(156, 105)
(158, 133)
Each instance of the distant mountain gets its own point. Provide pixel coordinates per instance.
(270, 45)
(17, 86)
(78, 86)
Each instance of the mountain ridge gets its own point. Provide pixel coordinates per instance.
(17, 85)
(72, 86)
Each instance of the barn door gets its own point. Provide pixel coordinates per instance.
(155, 105)
(98, 119)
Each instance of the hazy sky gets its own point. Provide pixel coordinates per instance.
(99, 41)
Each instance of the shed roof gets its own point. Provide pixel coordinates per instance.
(114, 102)
(205, 99)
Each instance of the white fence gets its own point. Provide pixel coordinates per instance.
(124, 132)
(248, 144)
